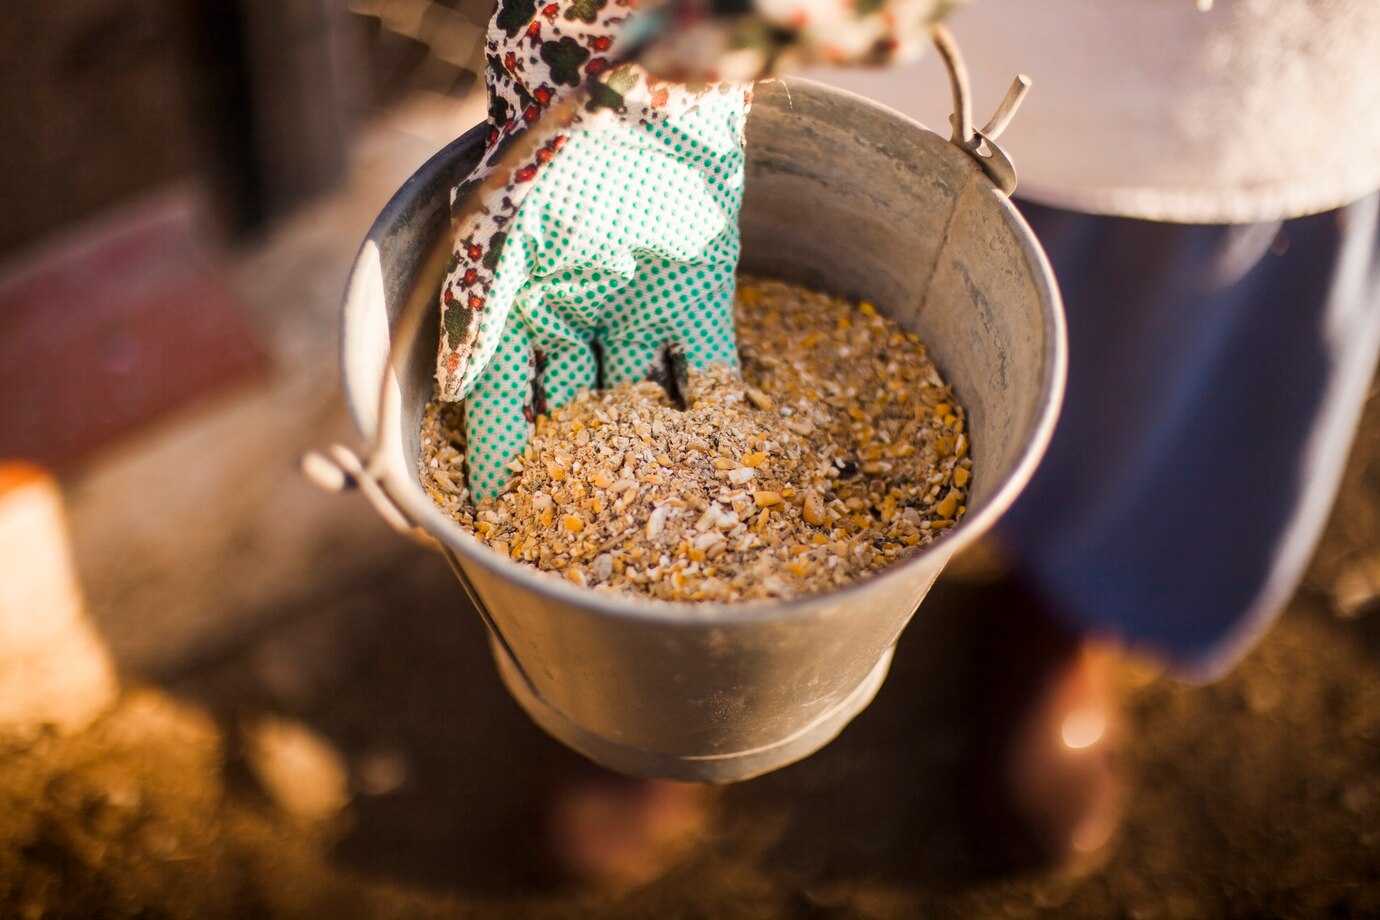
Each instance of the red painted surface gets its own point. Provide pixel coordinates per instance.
(112, 326)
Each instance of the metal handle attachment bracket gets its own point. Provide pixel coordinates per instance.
(979, 144)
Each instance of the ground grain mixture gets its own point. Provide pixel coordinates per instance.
(839, 451)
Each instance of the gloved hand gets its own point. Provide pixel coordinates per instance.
(629, 243)
(588, 240)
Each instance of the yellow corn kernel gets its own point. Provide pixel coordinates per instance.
(948, 505)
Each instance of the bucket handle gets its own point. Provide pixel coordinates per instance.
(338, 468)
(980, 144)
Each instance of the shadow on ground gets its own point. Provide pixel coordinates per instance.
(1256, 796)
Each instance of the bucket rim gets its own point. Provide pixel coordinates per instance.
(361, 396)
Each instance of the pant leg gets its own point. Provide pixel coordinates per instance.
(1216, 377)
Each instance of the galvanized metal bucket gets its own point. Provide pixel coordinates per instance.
(843, 195)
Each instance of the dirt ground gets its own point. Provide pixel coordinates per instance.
(1258, 796)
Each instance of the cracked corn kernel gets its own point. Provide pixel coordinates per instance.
(948, 505)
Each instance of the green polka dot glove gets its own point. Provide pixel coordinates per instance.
(589, 240)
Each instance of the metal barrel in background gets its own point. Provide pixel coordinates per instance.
(842, 195)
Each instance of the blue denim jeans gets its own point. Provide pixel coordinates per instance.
(1216, 378)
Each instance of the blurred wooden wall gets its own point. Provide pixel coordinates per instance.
(101, 99)
(90, 109)
(270, 85)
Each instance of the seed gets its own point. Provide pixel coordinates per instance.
(685, 505)
(706, 540)
(657, 522)
(948, 506)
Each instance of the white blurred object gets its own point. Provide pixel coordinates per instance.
(54, 668)
(1252, 110)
